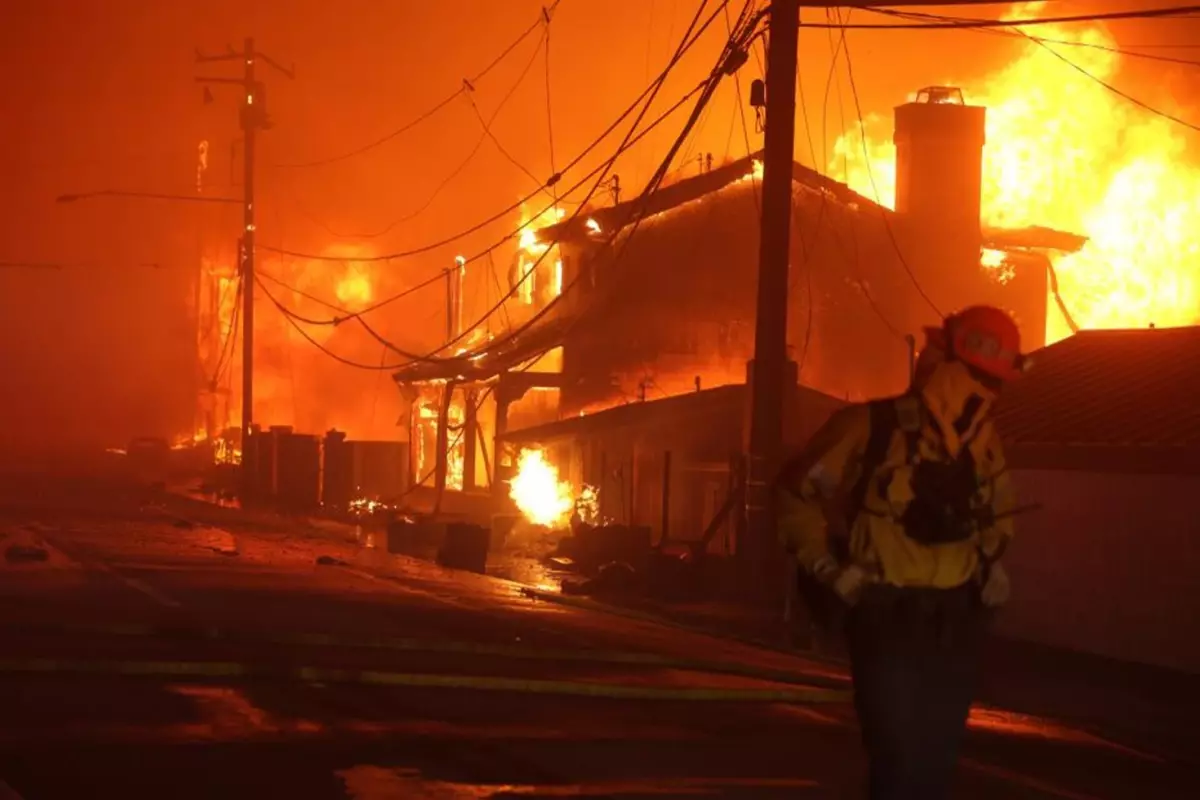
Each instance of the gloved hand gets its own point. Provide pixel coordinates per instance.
(996, 588)
(847, 582)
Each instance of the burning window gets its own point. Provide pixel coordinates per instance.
(425, 439)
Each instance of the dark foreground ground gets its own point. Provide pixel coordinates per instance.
(153, 656)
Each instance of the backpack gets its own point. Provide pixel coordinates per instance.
(826, 608)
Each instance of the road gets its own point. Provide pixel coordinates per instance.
(152, 654)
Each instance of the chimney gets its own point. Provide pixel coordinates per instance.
(939, 160)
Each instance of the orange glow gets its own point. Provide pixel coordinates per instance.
(588, 505)
(538, 492)
(425, 439)
(545, 280)
(354, 287)
(1065, 152)
(998, 263)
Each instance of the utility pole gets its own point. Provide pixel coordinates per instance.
(769, 378)
(253, 119)
(771, 375)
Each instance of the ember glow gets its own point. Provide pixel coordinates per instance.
(587, 505)
(545, 280)
(368, 506)
(1065, 152)
(425, 438)
(538, 492)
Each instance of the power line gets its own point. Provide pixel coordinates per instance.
(649, 95)
(953, 24)
(487, 251)
(705, 91)
(554, 179)
(1045, 43)
(67, 265)
(862, 135)
(1015, 33)
(549, 106)
(1120, 93)
(437, 278)
(737, 85)
(727, 64)
(486, 124)
(468, 92)
(225, 358)
(812, 150)
(843, 47)
(335, 321)
(428, 113)
(295, 323)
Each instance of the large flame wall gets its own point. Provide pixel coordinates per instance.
(1066, 152)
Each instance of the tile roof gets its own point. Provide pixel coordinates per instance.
(1115, 388)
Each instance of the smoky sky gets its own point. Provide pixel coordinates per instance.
(102, 96)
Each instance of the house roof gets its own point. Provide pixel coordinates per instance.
(702, 407)
(512, 351)
(1124, 389)
(695, 187)
(690, 189)
(702, 403)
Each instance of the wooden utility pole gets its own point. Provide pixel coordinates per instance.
(253, 119)
(768, 374)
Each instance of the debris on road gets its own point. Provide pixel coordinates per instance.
(25, 553)
(330, 561)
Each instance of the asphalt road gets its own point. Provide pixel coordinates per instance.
(152, 657)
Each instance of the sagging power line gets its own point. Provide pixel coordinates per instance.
(432, 111)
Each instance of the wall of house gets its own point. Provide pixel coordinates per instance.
(1109, 565)
(679, 303)
(704, 435)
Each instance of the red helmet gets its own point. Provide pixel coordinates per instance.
(983, 337)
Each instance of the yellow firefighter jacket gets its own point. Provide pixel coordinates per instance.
(813, 493)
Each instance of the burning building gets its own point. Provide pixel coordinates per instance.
(672, 300)
(660, 290)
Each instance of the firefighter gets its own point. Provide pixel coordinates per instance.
(899, 510)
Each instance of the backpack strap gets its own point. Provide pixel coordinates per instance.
(884, 421)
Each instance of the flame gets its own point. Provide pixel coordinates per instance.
(368, 505)
(587, 505)
(537, 491)
(546, 278)
(592, 225)
(1064, 151)
(998, 262)
(425, 438)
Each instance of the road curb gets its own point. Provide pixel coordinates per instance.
(404, 645)
(610, 691)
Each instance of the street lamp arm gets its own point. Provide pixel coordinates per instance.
(182, 198)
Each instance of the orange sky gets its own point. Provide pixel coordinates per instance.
(101, 96)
